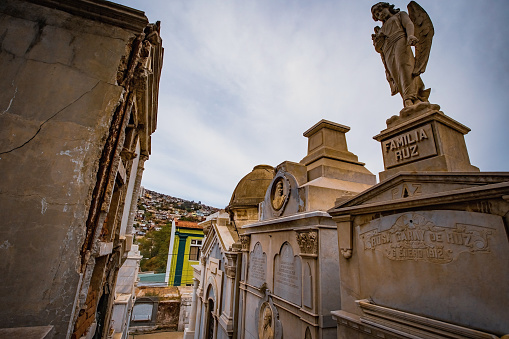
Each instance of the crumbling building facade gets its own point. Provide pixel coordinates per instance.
(78, 105)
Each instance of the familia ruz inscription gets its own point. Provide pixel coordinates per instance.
(413, 237)
(410, 146)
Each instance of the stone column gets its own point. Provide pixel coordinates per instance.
(199, 299)
(189, 332)
(136, 194)
(226, 318)
(308, 244)
(246, 242)
(199, 306)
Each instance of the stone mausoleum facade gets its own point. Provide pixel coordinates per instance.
(79, 91)
(421, 254)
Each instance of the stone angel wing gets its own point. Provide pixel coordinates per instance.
(424, 31)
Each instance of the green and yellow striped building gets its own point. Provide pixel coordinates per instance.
(184, 250)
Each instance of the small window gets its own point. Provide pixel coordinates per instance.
(199, 242)
(194, 253)
(193, 242)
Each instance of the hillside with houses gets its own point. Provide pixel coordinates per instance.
(156, 210)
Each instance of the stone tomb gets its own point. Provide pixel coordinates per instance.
(289, 257)
(296, 257)
(424, 252)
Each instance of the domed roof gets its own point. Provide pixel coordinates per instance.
(250, 190)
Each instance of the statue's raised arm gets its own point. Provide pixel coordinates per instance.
(393, 41)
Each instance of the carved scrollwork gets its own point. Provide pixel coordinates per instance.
(245, 240)
(347, 253)
(231, 264)
(308, 242)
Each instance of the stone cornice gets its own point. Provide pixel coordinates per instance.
(421, 119)
(479, 179)
(461, 195)
(320, 215)
(103, 11)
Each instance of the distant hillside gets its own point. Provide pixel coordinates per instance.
(157, 209)
(152, 225)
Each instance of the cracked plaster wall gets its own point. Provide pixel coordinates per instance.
(57, 95)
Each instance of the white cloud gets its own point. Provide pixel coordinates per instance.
(242, 80)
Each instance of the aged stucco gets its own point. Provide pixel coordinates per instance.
(58, 93)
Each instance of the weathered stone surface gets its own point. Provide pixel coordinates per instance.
(257, 268)
(58, 93)
(437, 241)
(428, 141)
(250, 191)
(393, 41)
(288, 275)
(35, 332)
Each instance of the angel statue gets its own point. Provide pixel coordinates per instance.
(393, 41)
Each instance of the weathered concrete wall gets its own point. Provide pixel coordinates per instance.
(58, 92)
(168, 314)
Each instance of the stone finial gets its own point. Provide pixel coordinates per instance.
(327, 139)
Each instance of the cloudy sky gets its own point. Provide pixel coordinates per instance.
(242, 80)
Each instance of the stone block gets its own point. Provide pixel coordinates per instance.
(18, 35)
(53, 45)
(429, 141)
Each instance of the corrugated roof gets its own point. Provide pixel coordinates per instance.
(187, 224)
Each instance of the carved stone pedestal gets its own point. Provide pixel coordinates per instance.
(424, 140)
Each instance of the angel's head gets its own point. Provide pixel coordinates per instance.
(378, 9)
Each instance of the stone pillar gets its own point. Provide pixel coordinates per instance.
(308, 244)
(199, 306)
(199, 298)
(246, 242)
(226, 318)
(136, 193)
(189, 332)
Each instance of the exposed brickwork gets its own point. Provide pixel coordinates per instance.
(86, 316)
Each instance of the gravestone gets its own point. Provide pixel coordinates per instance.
(287, 275)
(257, 268)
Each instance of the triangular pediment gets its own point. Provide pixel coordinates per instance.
(406, 186)
(223, 235)
(210, 240)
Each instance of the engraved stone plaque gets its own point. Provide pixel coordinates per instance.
(409, 146)
(415, 237)
(287, 275)
(257, 268)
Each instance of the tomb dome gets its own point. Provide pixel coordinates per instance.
(250, 190)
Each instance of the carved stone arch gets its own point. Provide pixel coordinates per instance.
(267, 307)
(288, 274)
(307, 286)
(257, 266)
(308, 334)
(209, 242)
(210, 286)
(282, 197)
(211, 308)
